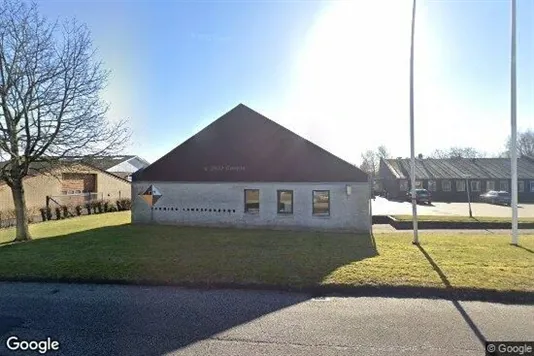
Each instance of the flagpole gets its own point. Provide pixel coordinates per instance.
(513, 114)
(412, 134)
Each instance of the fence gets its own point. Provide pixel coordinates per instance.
(72, 199)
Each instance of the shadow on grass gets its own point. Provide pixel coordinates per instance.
(487, 230)
(524, 248)
(187, 256)
(456, 304)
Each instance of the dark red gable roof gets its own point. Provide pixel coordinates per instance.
(245, 146)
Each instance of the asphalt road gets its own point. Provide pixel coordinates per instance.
(127, 320)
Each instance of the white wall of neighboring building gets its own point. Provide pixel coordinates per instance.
(347, 212)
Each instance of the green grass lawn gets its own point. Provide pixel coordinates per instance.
(455, 218)
(107, 247)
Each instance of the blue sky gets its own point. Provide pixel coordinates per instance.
(335, 72)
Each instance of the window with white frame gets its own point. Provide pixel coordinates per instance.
(521, 186)
(490, 185)
(432, 185)
(475, 186)
(460, 185)
(503, 185)
(403, 185)
(446, 185)
(419, 184)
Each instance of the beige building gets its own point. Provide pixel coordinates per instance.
(72, 184)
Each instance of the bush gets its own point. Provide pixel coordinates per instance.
(48, 214)
(78, 209)
(65, 211)
(112, 208)
(94, 207)
(106, 206)
(88, 207)
(43, 214)
(58, 213)
(124, 204)
(100, 206)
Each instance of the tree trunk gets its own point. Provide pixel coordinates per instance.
(23, 233)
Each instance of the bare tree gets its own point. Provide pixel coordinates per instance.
(382, 152)
(457, 152)
(525, 144)
(50, 105)
(371, 159)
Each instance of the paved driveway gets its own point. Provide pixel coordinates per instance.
(382, 206)
(127, 320)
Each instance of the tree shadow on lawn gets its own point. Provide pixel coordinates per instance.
(187, 256)
(455, 302)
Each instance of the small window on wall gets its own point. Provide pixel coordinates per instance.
(403, 185)
(521, 186)
(532, 186)
(503, 185)
(419, 184)
(446, 185)
(475, 186)
(321, 202)
(460, 185)
(252, 201)
(490, 185)
(285, 201)
(432, 185)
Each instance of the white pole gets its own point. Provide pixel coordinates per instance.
(513, 114)
(412, 139)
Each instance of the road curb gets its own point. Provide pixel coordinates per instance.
(453, 294)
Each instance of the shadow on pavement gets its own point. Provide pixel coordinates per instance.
(456, 304)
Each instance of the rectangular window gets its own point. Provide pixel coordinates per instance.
(446, 185)
(475, 186)
(432, 185)
(521, 186)
(490, 185)
(252, 201)
(460, 185)
(321, 202)
(503, 185)
(419, 184)
(532, 186)
(285, 201)
(403, 185)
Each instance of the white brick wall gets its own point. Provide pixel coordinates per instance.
(347, 212)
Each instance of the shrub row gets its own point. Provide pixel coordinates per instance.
(7, 217)
(94, 207)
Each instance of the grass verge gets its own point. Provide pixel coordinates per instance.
(100, 248)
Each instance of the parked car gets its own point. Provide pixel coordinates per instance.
(496, 197)
(422, 196)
